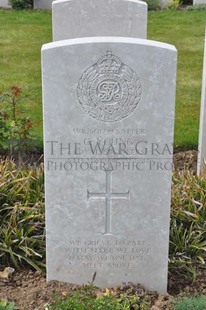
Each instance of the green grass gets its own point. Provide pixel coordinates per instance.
(86, 298)
(192, 303)
(185, 30)
(22, 237)
(22, 34)
(187, 225)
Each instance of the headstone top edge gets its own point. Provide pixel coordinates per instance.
(56, 2)
(93, 40)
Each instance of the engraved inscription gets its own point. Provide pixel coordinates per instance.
(116, 131)
(109, 254)
(109, 90)
(108, 196)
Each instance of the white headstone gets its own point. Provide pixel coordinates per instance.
(199, 2)
(5, 4)
(166, 3)
(201, 162)
(91, 18)
(108, 134)
(42, 4)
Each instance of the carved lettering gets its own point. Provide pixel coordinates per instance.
(110, 254)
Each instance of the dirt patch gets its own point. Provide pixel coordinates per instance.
(185, 161)
(30, 291)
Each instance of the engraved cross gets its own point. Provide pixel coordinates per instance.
(108, 196)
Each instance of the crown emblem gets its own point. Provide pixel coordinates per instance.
(109, 90)
(109, 63)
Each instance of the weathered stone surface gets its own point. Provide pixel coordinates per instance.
(201, 162)
(108, 133)
(91, 18)
(199, 2)
(42, 4)
(5, 4)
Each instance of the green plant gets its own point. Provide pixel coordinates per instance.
(22, 240)
(192, 303)
(15, 128)
(188, 226)
(86, 298)
(5, 305)
(153, 4)
(175, 5)
(21, 4)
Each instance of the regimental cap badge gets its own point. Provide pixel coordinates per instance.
(109, 90)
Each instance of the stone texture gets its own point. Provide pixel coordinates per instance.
(202, 129)
(91, 18)
(108, 133)
(5, 4)
(42, 4)
(165, 3)
(197, 2)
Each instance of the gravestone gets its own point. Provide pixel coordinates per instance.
(201, 161)
(108, 134)
(199, 2)
(90, 18)
(5, 4)
(166, 3)
(42, 4)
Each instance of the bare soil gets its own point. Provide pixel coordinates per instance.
(30, 291)
(185, 161)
